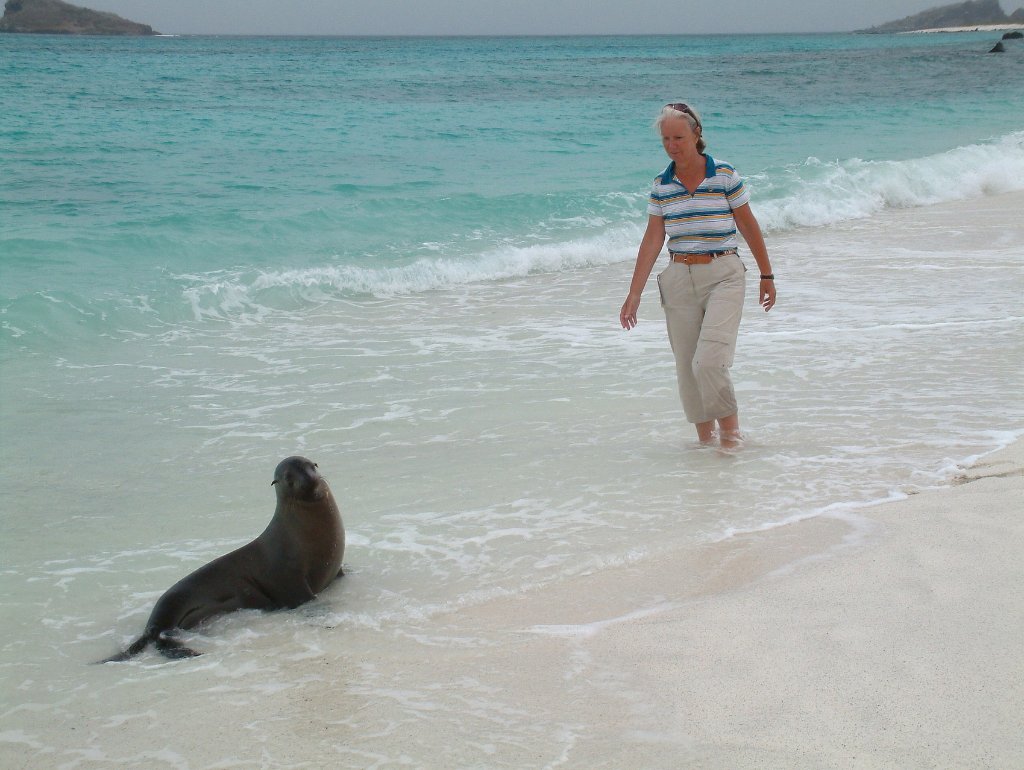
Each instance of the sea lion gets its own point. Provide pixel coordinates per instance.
(296, 557)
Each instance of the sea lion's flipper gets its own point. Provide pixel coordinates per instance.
(168, 646)
(133, 649)
(173, 649)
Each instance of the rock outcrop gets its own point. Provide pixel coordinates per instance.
(59, 18)
(969, 14)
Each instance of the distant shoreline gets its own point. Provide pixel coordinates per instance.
(384, 36)
(970, 28)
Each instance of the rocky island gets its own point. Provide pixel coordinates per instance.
(55, 17)
(968, 15)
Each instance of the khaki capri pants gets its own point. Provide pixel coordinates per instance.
(703, 306)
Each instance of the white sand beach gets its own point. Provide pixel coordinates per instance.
(902, 651)
(891, 638)
(900, 647)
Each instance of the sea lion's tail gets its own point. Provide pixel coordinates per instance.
(168, 646)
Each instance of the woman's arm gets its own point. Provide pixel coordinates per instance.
(747, 224)
(647, 255)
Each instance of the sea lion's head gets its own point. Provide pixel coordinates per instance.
(297, 477)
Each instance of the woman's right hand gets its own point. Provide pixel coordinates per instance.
(627, 316)
(650, 248)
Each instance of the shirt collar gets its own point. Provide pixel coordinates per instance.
(709, 170)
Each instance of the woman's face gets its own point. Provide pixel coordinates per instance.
(677, 137)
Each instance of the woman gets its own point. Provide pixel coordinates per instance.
(699, 204)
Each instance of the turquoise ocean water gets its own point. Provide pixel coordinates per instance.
(404, 258)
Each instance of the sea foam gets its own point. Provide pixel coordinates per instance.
(810, 194)
(817, 193)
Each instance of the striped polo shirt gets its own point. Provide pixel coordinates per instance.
(700, 222)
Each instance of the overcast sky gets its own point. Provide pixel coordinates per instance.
(509, 17)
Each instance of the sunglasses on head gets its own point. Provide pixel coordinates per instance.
(682, 107)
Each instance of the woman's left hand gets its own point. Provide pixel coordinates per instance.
(766, 294)
(747, 224)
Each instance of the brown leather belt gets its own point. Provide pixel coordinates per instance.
(701, 259)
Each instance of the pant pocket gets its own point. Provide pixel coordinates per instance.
(714, 351)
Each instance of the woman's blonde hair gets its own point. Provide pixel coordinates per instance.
(683, 110)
